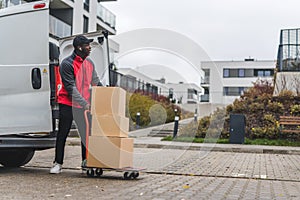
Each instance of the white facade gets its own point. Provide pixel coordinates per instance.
(139, 77)
(99, 18)
(183, 93)
(226, 80)
(186, 93)
(72, 17)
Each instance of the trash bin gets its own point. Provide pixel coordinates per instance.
(237, 129)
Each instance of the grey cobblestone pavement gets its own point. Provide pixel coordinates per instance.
(226, 164)
(171, 174)
(73, 185)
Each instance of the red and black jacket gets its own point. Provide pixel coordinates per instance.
(77, 76)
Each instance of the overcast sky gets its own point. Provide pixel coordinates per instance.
(225, 29)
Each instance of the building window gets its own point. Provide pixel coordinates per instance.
(241, 72)
(228, 73)
(268, 73)
(233, 73)
(241, 90)
(233, 91)
(192, 93)
(263, 72)
(206, 76)
(171, 93)
(205, 96)
(225, 73)
(148, 87)
(249, 72)
(85, 24)
(86, 5)
(260, 73)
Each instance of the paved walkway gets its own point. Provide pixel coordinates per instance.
(174, 174)
(177, 170)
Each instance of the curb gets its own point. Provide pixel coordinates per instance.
(220, 149)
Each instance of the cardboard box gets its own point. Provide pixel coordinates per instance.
(108, 100)
(110, 126)
(110, 152)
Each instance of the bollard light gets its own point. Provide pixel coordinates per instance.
(138, 118)
(175, 127)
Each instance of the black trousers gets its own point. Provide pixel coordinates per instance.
(66, 116)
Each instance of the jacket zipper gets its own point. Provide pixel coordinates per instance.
(83, 72)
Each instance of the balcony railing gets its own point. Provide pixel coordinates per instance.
(205, 80)
(192, 96)
(205, 98)
(59, 28)
(289, 50)
(106, 16)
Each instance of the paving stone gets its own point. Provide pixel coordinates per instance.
(215, 175)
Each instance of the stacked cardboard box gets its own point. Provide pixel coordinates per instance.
(109, 145)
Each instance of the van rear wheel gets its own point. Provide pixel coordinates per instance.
(15, 158)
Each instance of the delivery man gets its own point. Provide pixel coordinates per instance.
(78, 75)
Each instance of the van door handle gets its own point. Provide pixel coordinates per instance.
(36, 79)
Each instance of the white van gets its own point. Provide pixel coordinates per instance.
(28, 111)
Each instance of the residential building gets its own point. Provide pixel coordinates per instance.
(185, 93)
(181, 93)
(225, 81)
(288, 62)
(71, 17)
(135, 81)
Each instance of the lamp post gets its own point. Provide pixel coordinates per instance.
(195, 115)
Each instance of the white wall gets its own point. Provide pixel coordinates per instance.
(77, 17)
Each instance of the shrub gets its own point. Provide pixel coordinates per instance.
(275, 107)
(152, 111)
(203, 125)
(188, 130)
(260, 108)
(295, 110)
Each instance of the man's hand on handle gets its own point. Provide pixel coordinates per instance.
(87, 107)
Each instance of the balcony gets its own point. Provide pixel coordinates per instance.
(192, 98)
(58, 28)
(205, 98)
(106, 16)
(205, 81)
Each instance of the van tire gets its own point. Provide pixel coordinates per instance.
(16, 158)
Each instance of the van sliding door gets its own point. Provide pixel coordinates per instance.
(24, 63)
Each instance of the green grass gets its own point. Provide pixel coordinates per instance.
(226, 141)
(273, 142)
(195, 140)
